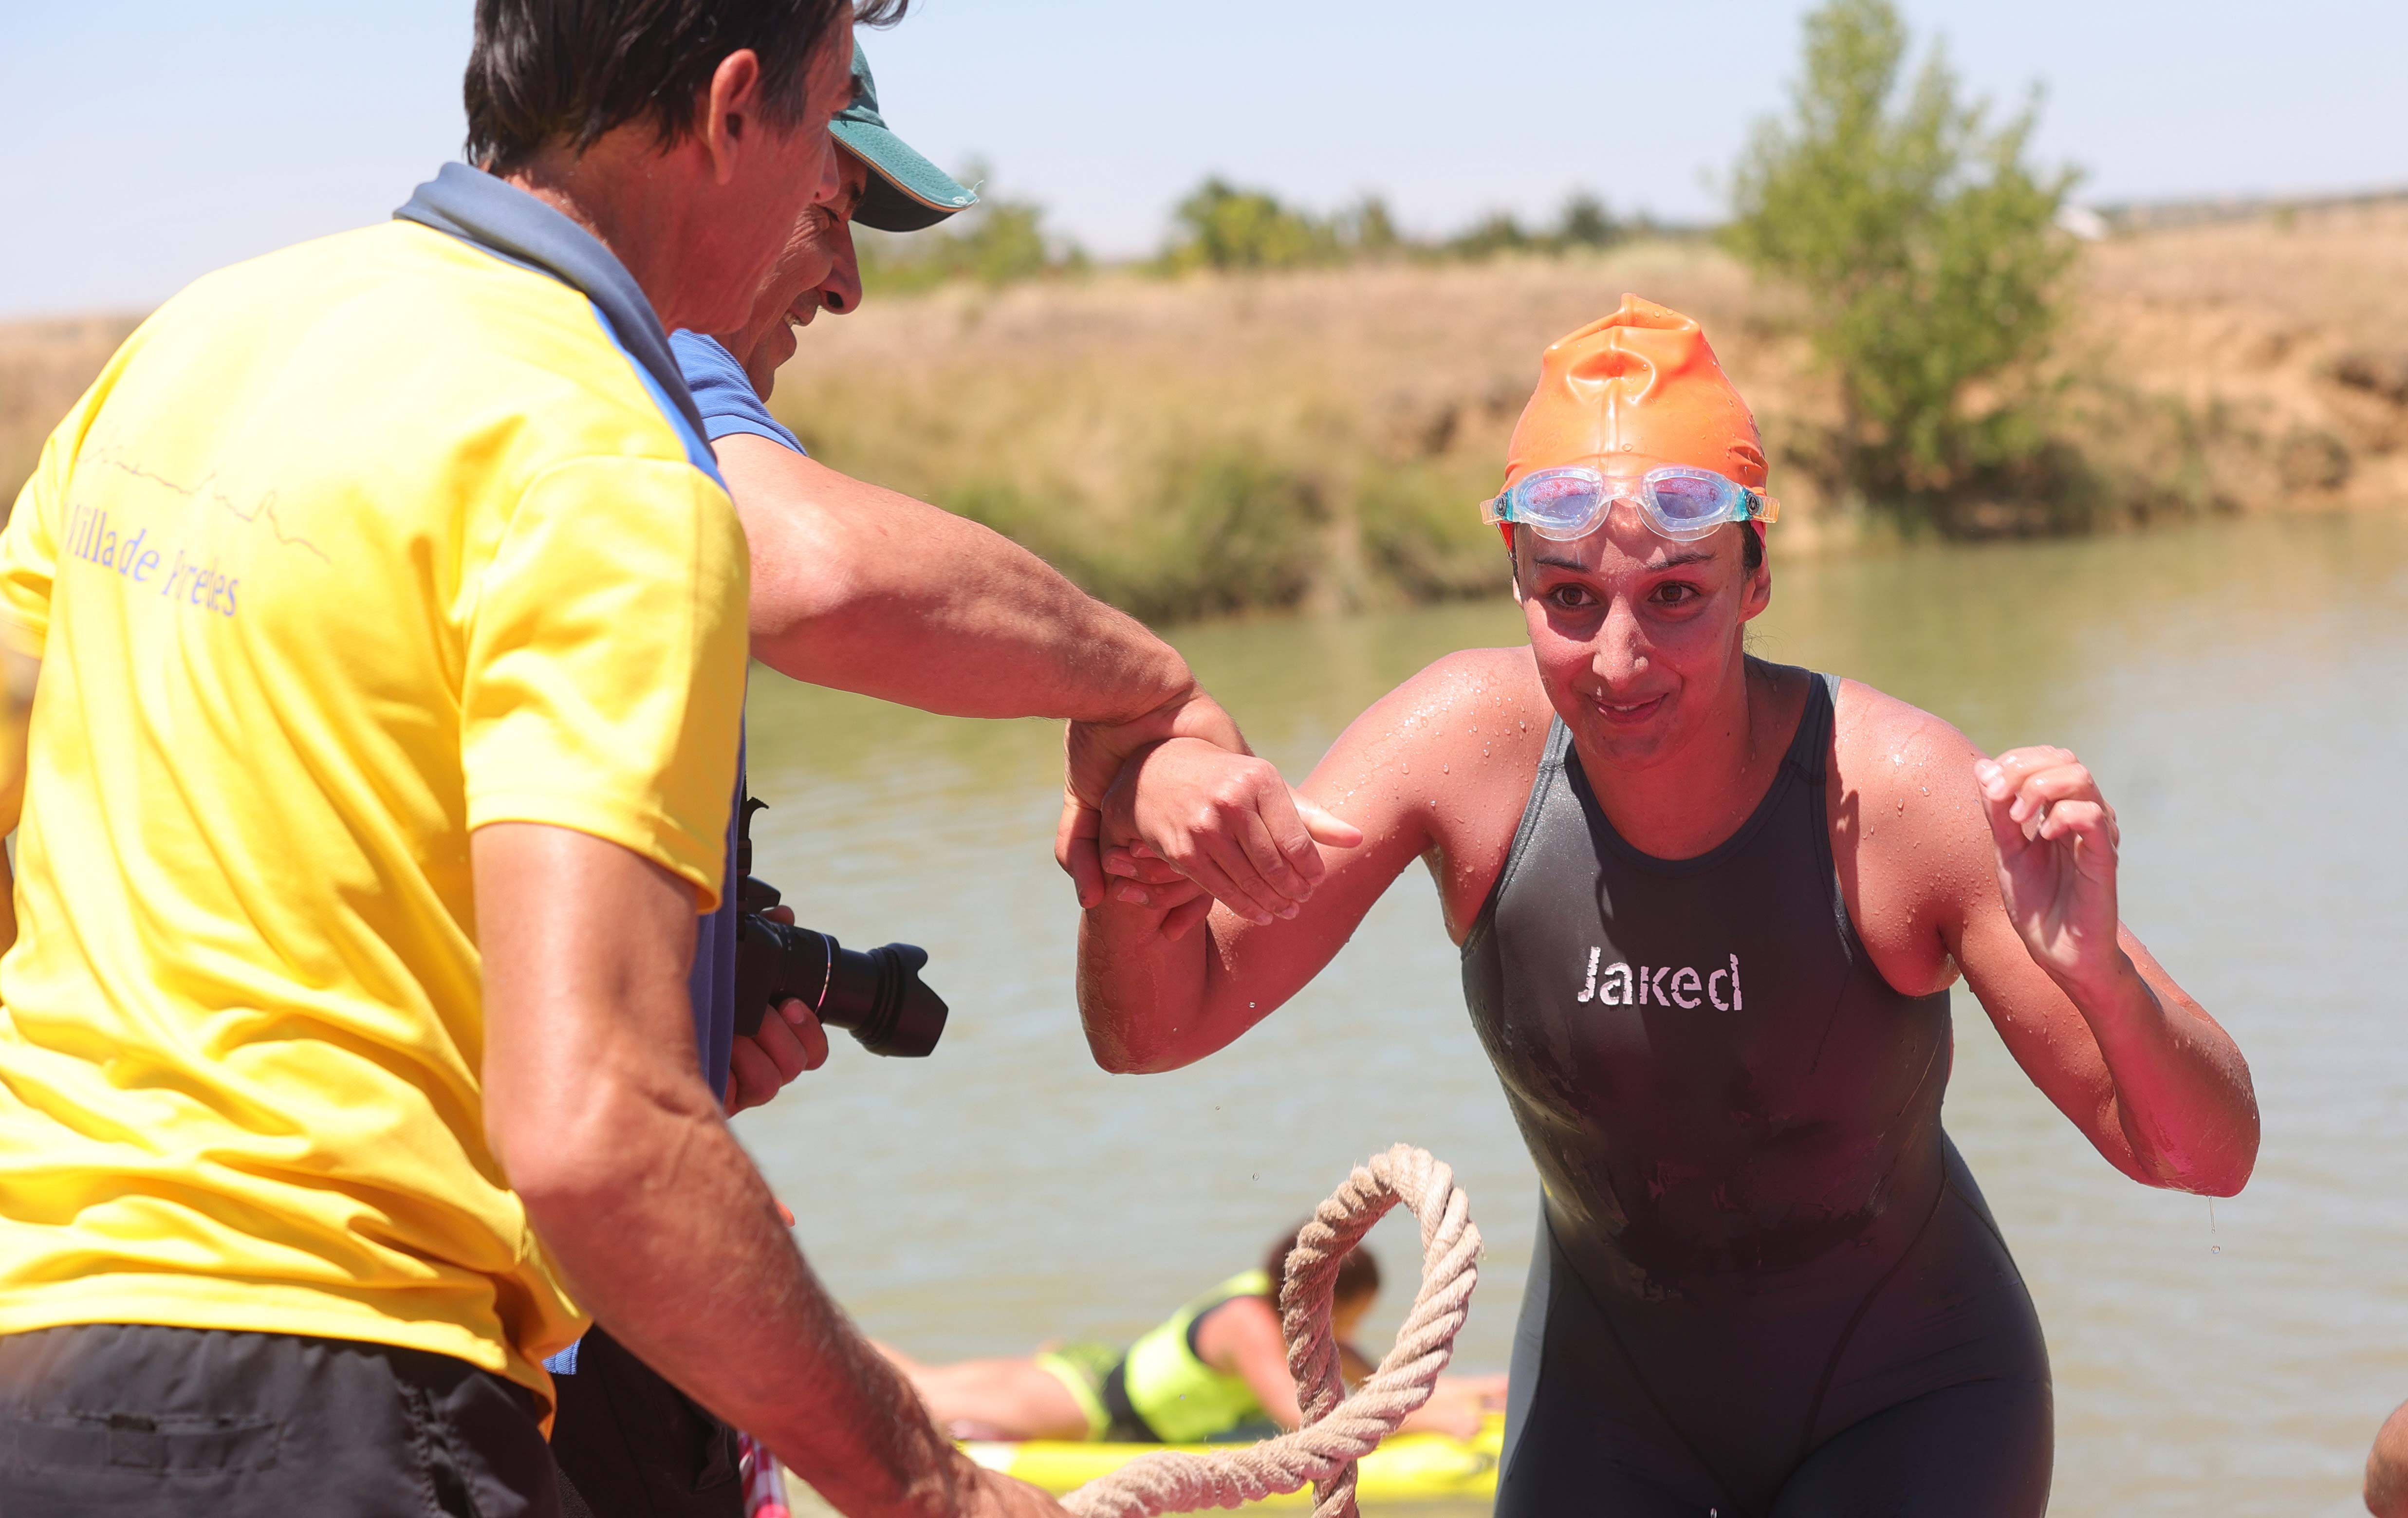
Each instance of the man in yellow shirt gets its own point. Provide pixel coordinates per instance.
(390, 620)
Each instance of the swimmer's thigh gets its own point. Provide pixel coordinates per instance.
(1553, 1478)
(1980, 1450)
(1581, 1434)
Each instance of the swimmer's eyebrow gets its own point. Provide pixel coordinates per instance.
(1675, 562)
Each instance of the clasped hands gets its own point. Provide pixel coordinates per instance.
(1211, 822)
(1173, 813)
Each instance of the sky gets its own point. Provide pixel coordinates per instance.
(147, 143)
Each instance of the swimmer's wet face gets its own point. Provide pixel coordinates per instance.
(819, 270)
(1637, 637)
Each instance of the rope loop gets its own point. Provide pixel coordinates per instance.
(1338, 1429)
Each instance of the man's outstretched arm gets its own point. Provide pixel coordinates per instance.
(596, 1108)
(865, 589)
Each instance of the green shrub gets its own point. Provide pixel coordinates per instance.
(1226, 530)
(1220, 227)
(1422, 533)
(1229, 531)
(1000, 242)
(1584, 224)
(1924, 246)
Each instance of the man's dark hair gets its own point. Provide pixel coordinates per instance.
(1359, 1273)
(570, 70)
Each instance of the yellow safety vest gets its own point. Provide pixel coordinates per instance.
(1180, 1396)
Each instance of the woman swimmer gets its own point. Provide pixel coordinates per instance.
(1709, 910)
(1215, 1369)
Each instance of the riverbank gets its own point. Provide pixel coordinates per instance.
(1191, 446)
(1217, 443)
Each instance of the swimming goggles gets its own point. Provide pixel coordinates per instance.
(1679, 502)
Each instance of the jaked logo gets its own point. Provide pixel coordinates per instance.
(1665, 985)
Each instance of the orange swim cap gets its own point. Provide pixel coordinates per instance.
(1638, 389)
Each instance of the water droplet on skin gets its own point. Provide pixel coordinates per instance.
(1446, 769)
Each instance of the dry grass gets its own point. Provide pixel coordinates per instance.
(1211, 442)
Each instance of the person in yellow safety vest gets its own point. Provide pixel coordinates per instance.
(1215, 1370)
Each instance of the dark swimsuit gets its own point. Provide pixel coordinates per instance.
(1764, 1284)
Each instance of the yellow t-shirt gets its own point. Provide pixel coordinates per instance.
(351, 549)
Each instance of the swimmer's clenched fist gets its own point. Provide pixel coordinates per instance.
(1256, 855)
(1211, 818)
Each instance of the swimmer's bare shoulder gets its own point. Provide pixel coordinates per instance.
(1441, 768)
(1907, 832)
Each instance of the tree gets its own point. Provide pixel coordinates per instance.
(1220, 227)
(1500, 232)
(999, 242)
(1587, 223)
(1924, 242)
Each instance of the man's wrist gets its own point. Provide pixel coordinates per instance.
(1191, 713)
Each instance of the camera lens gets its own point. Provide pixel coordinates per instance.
(882, 998)
(878, 997)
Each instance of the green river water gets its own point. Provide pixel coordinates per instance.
(2238, 688)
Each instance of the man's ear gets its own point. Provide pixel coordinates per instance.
(731, 108)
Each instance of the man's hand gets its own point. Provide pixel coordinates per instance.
(1188, 811)
(761, 1063)
(1093, 754)
(2057, 840)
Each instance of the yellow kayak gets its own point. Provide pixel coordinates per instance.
(1407, 1468)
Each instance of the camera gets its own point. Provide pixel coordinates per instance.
(877, 995)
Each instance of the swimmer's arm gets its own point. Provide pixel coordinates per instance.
(1241, 1338)
(2128, 1056)
(1155, 996)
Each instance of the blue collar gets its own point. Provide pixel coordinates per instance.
(503, 220)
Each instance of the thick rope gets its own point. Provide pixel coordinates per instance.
(1337, 1429)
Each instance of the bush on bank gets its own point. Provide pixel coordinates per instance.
(1928, 271)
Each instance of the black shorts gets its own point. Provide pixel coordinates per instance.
(630, 1445)
(190, 1423)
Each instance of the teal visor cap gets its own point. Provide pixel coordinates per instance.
(906, 192)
